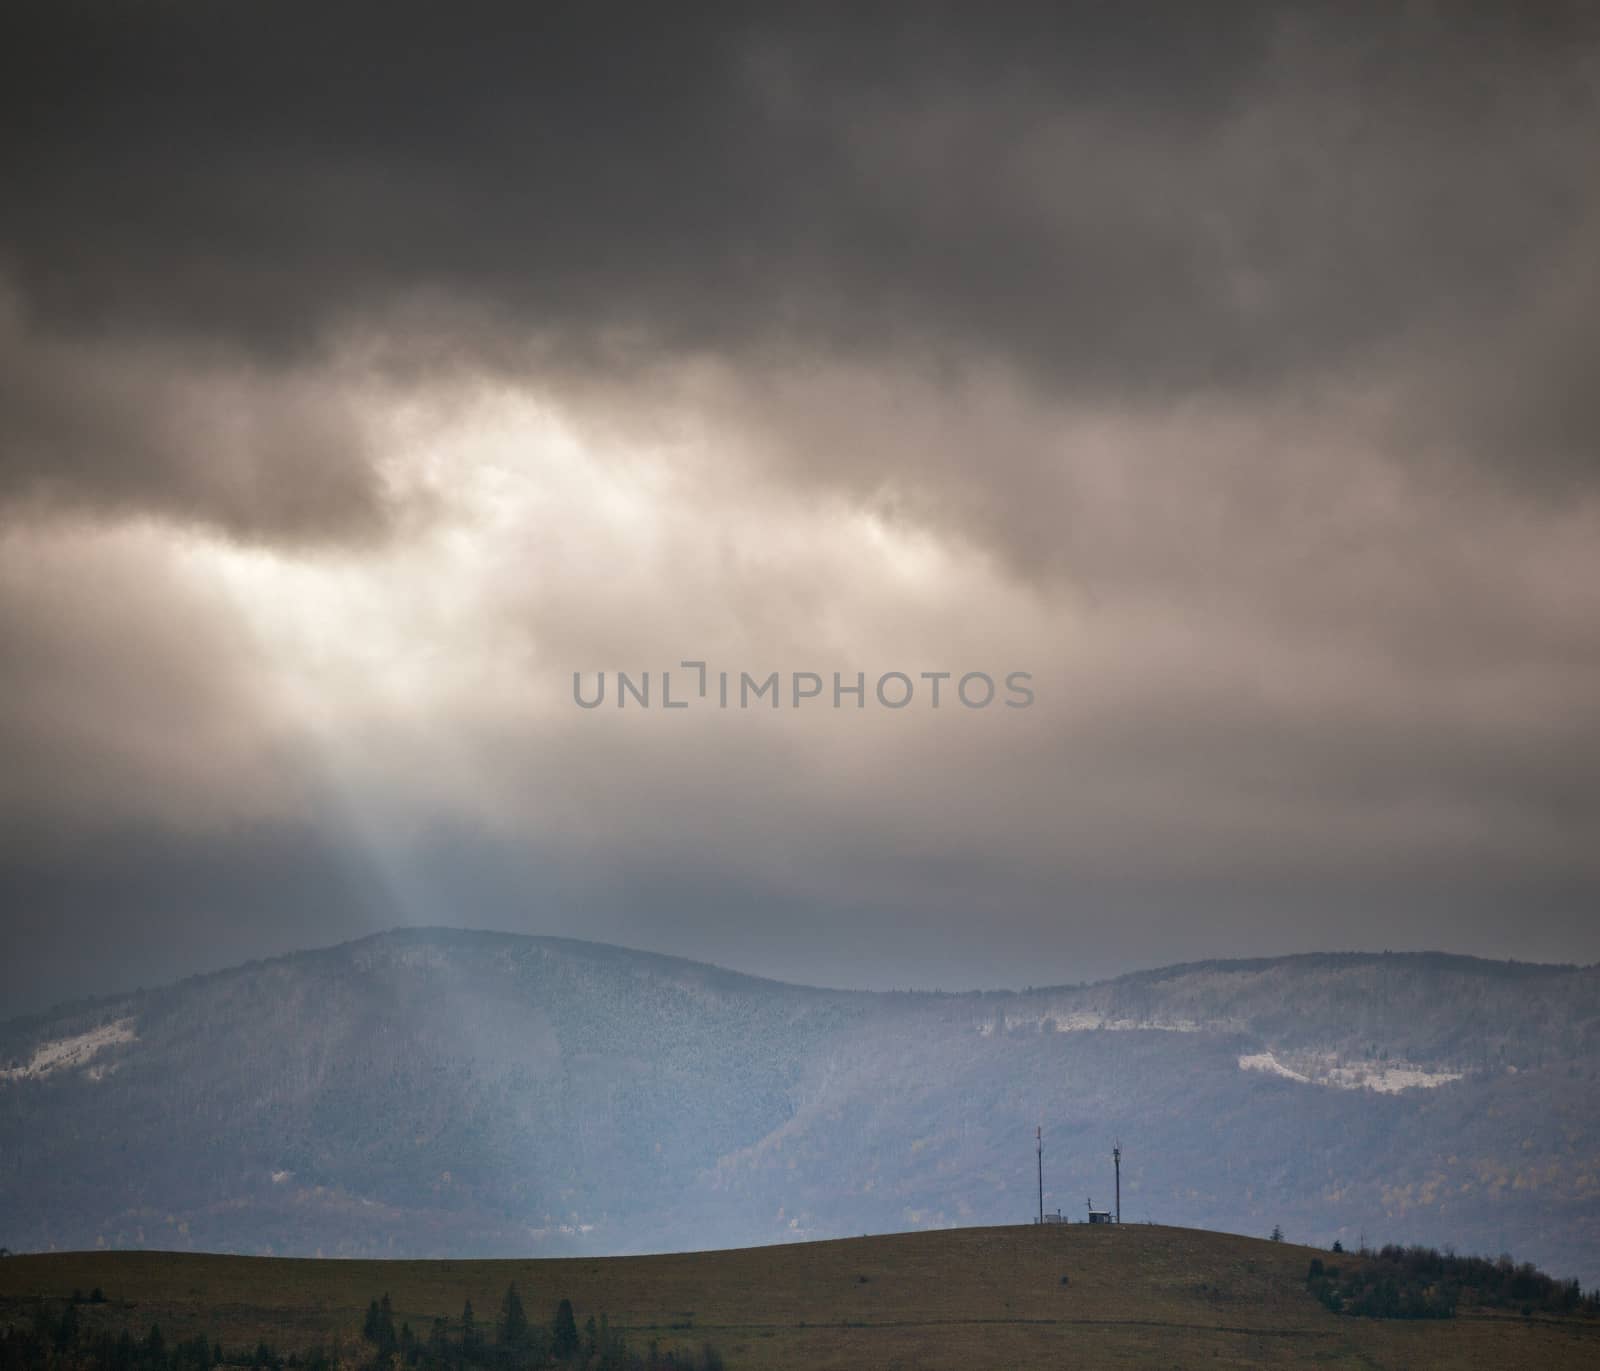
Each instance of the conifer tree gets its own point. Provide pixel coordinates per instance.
(564, 1332)
(513, 1329)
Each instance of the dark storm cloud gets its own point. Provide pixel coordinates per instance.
(267, 172)
(96, 428)
(1230, 367)
(1135, 203)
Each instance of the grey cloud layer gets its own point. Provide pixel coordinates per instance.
(1230, 368)
(93, 427)
(1140, 203)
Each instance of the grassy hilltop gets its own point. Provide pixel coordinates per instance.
(1017, 1297)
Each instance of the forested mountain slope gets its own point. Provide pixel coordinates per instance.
(451, 1093)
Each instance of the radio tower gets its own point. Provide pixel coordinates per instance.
(1116, 1160)
(1038, 1140)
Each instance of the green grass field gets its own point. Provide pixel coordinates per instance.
(1135, 1296)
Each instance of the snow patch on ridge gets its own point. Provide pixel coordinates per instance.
(1390, 1078)
(1265, 1061)
(1387, 1078)
(67, 1054)
(1080, 1022)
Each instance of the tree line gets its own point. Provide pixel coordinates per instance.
(55, 1337)
(1424, 1283)
(514, 1341)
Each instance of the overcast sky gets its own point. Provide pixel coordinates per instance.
(364, 375)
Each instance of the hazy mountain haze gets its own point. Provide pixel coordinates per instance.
(445, 1092)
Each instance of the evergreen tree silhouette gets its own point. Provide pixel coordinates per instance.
(564, 1332)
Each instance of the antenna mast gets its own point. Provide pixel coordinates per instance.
(1116, 1160)
(1038, 1139)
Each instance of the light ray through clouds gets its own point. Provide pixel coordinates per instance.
(397, 669)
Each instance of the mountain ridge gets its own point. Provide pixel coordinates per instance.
(455, 1092)
(1454, 960)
